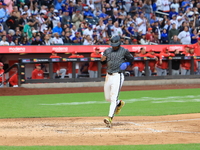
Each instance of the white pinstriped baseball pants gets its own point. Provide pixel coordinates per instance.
(112, 86)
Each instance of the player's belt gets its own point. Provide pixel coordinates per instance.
(113, 73)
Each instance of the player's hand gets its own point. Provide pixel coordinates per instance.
(103, 58)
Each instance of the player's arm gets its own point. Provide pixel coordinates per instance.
(129, 58)
(104, 58)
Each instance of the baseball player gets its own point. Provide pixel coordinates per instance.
(56, 67)
(162, 65)
(69, 64)
(93, 66)
(115, 58)
(1, 74)
(185, 64)
(152, 63)
(13, 81)
(37, 73)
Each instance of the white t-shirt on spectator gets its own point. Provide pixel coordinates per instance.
(180, 22)
(43, 25)
(184, 37)
(55, 21)
(2, 43)
(143, 26)
(128, 5)
(73, 32)
(174, 21)
(101, 28)
(57, 40)
(88, 32)
(116, 31)
(176, 6)
(165, 5)
(86, 42)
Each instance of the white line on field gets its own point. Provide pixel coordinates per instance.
(170, 121)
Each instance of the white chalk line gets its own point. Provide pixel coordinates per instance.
(170, 121)
(170, 99)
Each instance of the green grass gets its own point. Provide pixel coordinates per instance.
(138, 103)
(116, 147)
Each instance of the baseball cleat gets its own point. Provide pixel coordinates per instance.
(108, 121)
(118, 109)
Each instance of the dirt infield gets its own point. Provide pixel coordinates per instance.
(131, 130)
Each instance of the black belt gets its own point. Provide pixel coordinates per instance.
(112, 73)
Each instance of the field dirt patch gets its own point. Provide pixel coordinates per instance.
(132, 130)
(137, 130)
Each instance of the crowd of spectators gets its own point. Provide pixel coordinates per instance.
(94, 22)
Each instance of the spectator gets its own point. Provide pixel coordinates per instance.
(149, 35)
(88, 31)
(67, 39)
(57, 71)
(12, 21)
(4, 14)
(27, 30)
(37, 41)
(128, 4)
(101, 28)
(174, 40)
(165, 6)
(97, 3)
(164, 37)
(57, 40)
(71, 8)
(18, 34)
(147, 9)
(173, 31)
(10, 35)
(58, 4)
(3, 42)
(79, 6)
(133, 9)
(181, 18)
(37, 73)
(77, 18)
(58, 29)
(87, 40)
(185, 4)
(65, 18)
(46, 40)
(143, 40)
(109, 26)
(109, 10)
(174, 20)
(172, 12)
(156, 30)
(116, 30)
(55, 18)
(104, 16)
(90, 5)
(142, 23)
(15, 42)
(77, 39)
(43, 24)
(97, 12)
(93, 66)
(175, 5)
(24, 41)
(34, 21)
(135, 42)
(194, 36)
(184, 36)
(23, 20)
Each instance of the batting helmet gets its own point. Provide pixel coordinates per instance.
(115, 41)
(1, 64)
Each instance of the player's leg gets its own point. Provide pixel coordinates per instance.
(114, 93)
(62, 72)
(159, 72)
(70, 75)
(95, 74)
(183, 71)
(136, 70)
(90, 73)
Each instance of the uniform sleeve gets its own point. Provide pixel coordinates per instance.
(128, 56)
